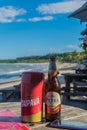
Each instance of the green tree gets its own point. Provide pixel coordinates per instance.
(83, 45)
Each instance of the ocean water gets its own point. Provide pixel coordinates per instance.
(13, 71)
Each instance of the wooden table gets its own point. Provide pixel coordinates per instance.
(84, 63)
(72, 110)
(71, 77)
(79, 70)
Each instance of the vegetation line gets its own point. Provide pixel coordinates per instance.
(63, 57)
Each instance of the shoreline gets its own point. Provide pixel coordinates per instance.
(28, 63)
(62, 67)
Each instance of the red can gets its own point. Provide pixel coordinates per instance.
(31, 96)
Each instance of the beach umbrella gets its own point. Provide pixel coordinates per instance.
(80, 13)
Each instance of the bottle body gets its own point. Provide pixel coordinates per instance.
(52, 96)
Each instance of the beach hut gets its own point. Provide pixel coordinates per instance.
(80, 13)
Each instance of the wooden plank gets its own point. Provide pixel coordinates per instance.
(74, 93)
(80, 83)
(7, 93)
(6, 90)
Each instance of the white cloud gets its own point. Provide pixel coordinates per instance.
(71, 48)
(9, 13)
(20, 20)
(36, 19)
(60, 7)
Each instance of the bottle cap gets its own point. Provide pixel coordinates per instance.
(52, 58)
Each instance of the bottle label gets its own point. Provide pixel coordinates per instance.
(53, 102)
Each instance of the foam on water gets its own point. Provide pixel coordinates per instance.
(11, 71)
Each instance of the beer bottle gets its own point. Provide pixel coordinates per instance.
(52, 93)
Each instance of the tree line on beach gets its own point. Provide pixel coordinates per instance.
(63, 57)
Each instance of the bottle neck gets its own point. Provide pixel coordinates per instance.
(52, 74)
(52, 71)
(53, 79)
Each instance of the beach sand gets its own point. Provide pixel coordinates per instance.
(10, 83)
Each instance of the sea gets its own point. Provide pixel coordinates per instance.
(13, 71)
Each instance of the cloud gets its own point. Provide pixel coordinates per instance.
(8, 14)
(71, 48)
(36, 19)
(20, 20)
(60, 7)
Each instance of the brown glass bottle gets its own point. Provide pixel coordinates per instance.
(52, 93)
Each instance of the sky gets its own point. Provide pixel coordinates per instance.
(38, 27)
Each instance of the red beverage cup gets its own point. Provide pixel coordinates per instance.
(31, 96)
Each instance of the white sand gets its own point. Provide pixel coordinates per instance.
(65, 68)
(11, 83)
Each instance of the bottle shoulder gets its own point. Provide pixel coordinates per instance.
(53, 80)
(52, 85)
